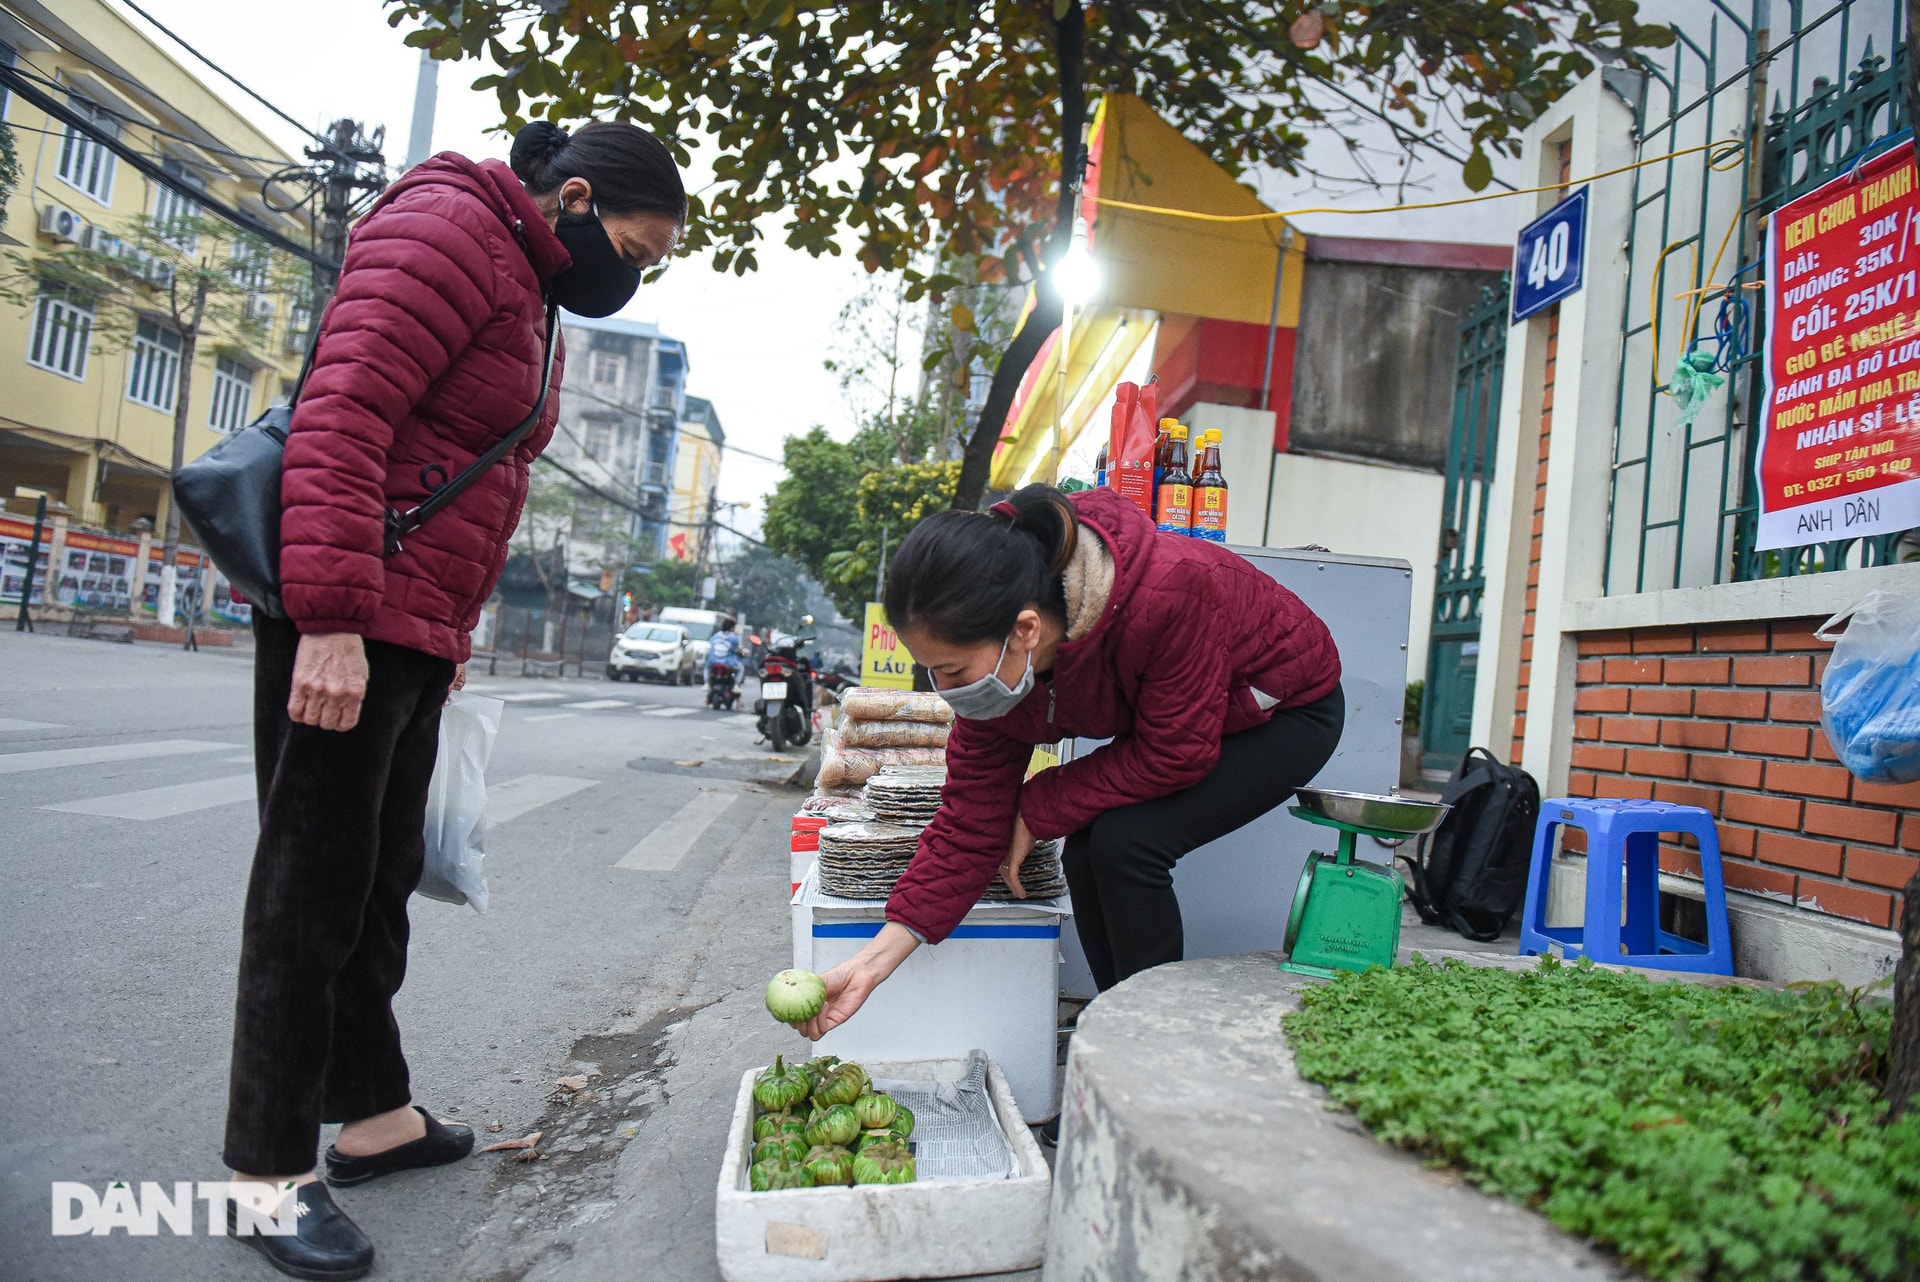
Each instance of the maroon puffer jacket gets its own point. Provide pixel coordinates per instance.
(1191, 631)
(429, 353)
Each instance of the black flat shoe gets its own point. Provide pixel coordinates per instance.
(440, 1145)
(325, 1244)
(1050, 1132)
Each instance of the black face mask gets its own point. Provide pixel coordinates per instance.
(600, 282)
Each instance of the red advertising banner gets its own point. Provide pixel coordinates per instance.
(1839, 453)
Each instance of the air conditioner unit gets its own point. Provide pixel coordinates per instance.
(101, 241)
(259, 307)
(62, 223)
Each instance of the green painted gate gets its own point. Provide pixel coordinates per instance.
(1460, 579)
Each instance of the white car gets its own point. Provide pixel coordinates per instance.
(656, 651)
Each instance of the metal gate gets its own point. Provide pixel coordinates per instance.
(1460, 578)
(1785, 96)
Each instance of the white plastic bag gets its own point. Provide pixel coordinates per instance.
(457, 802)
(1870, 695)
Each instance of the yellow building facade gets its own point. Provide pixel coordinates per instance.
(87, 417)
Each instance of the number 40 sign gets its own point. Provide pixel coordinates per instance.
(1550, 257)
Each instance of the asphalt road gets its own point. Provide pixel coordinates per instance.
(638, 903)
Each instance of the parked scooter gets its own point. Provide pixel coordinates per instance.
(721, 693)
(785, 705)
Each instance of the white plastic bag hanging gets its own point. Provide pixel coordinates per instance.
(1870, 695)
(457, 802)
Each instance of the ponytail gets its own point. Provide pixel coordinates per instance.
(965, 576)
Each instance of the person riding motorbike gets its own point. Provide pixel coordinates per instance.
(723, 658)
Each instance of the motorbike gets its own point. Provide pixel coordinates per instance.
(785, 705)
(721, 693)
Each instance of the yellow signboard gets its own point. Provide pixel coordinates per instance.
(883, 660)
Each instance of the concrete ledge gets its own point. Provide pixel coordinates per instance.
(1192, 1149)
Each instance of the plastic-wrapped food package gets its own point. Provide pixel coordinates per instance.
(893, 734)
(1870, 695)
(843, 767)
(877, 703)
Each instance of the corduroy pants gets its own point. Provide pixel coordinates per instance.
(324, 939)
(1120, 868)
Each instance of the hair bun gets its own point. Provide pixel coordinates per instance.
(537, 143)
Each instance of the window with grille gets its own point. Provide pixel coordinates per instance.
(62, 330)
(154, 373)
(84, 161)
(609, 368)
(599, 440)
(232, 395)
(174, 214)
(249, 264)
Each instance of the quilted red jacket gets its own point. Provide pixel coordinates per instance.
(1190, 632)
(429, 353)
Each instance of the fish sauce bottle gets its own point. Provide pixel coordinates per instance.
(1210, 494)
(1175, 505)
(1162, 444)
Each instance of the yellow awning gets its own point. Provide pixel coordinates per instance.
(1150, 265)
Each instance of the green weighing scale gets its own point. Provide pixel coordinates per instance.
(1346, 911)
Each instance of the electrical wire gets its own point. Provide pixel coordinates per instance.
(140, 122)
(1727, 147)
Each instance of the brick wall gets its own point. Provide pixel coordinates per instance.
(1533, 547)
(1727, 716)
(1539, 508)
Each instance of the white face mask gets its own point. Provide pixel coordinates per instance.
(990, 697)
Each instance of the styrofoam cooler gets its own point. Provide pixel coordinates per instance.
(992, 985)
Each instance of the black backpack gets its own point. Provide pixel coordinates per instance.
(1470, 874)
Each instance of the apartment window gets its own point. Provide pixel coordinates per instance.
(85, 161)
(62, 330)
(173, 213)
(250, 262)
(609, 369)
(599, 440)
(232, 395)
(155, 370)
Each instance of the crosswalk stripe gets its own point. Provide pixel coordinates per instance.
(744, 719)
(14, 723)
(508, 800)
(671, 712)
(595, 705)
(662, 849)
(550, 716)
(530, 696)
(165, 803)
(12, 763)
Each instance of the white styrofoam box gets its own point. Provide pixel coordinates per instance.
(802, 916)
(871, 1233)
(993, 984)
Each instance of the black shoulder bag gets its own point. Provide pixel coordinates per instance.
(230, 496)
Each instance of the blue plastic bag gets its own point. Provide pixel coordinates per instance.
(1870, 696)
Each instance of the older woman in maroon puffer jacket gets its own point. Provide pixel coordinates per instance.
(1048, 618)
(429, 353)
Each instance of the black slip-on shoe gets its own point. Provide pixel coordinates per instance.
(440, 1145)
(1050, 1132)
(325, 1244)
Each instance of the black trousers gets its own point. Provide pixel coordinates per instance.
(324, 941)
(1120, 868)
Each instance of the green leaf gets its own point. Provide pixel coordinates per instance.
(1477, 172)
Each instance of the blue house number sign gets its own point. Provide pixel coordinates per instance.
(1549, 261)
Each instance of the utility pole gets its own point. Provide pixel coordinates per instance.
(351, 166)
(426, 93)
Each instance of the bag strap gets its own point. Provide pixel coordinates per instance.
(402, 524)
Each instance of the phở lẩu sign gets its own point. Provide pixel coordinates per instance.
(1840, 427)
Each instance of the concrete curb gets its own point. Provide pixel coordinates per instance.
(1191, 1148)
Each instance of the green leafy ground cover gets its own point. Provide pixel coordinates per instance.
(1702, 1133)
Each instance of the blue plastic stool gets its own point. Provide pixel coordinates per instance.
(1623, 843)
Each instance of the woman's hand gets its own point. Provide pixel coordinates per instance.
(329, 680)
(1017, 851)
(849, 983)
(459, 682)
